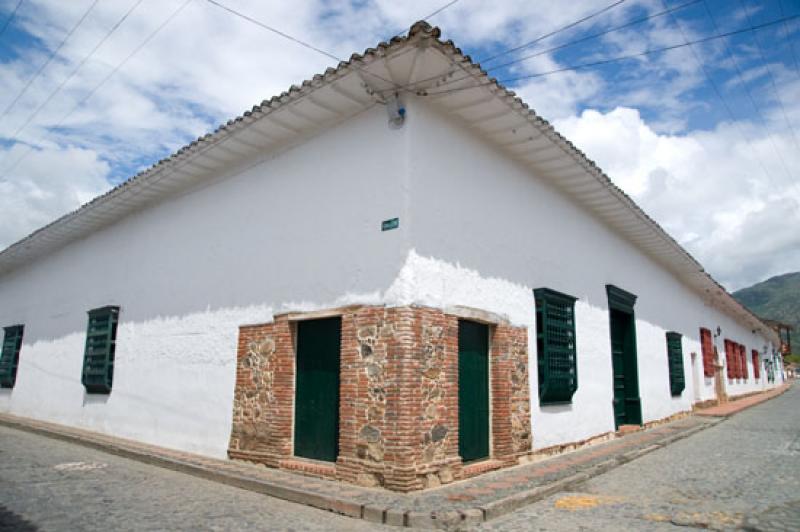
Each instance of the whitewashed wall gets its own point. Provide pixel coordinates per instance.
(299, 231)
(486, 232)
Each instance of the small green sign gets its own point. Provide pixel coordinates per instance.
(388, 225)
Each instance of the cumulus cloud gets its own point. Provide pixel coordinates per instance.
(729, 201)
(36, 195)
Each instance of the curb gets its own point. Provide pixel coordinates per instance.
(393, 516)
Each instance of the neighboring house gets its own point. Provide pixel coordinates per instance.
(396, 270)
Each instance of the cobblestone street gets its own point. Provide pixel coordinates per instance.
(47, 484)
(742, 473)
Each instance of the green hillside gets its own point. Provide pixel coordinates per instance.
(777, 298)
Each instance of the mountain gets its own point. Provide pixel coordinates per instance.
(777, 298)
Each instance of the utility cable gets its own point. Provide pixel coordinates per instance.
(292, 38)
(790, 43)
(10, 18)
(77, 68)
(760, 49)
(563, 45)
(52, 56)
(612, 59)
(550, 34)
(105, 79)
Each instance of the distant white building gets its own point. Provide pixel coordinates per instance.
(397, 270)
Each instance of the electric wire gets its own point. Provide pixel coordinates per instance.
(292, 38)
(105, 79)
(10, 18)
(760, 49)
(610, 60)
(550, 34)
(49, 59)
(445, 6)
(76, 69)
(790, 43)
(718, 93)
(560, 46)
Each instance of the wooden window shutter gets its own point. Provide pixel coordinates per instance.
(707, 348)
(555, 345)
(98, 358)
(9, 356)
(745, 371)
(756, 368)
(677, 380)
(729, 360)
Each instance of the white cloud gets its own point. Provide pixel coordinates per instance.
(706, 188)
(37, 194)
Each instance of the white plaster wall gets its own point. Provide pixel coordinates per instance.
(298, 231)
(486, 231)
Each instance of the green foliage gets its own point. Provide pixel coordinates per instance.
(794, 359)
(777, 298)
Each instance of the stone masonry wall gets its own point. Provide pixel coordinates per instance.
(398, 410)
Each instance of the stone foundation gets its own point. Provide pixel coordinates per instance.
(398, 406)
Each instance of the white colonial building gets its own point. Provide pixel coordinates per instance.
(400, 250)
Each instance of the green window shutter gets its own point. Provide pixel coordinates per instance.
(677, 381)
(555, 346)
(98, 358)
(9, 356)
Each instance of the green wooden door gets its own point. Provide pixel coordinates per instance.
(316, 411)
(473, 390)
(627, 405)
(618, 329)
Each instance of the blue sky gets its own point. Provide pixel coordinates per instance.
(704, 137)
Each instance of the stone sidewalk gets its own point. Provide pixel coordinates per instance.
(458, 505)
(737, 405)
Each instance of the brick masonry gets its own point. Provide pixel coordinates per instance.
(398, 410)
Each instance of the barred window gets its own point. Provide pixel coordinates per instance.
(98, 358)
(9, 356)
(555, 343)
(677, 380)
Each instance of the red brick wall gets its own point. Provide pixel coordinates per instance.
(398, 410)
(264, 395)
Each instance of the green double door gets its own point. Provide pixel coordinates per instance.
(627, 405)
(316, 411)
(473, 391)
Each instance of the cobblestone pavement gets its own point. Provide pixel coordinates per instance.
(48, 484)
(743, 473)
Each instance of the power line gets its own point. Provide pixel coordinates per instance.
(611, 60)
(791, 44)
(550, 34)
(447, 5)
(771, 76)
(105, 79)
(719, 95)
(292, 38)
(52, 56)
(10, 18)
(564, 45)
(77, 68)
(273, 30)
